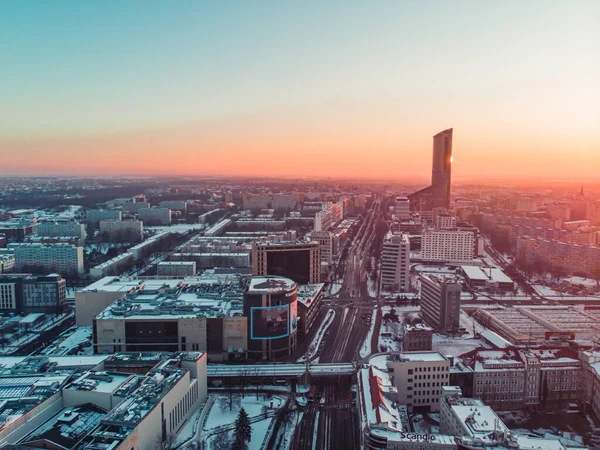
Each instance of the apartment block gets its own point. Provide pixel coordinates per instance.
(122, 231)
(395, 263)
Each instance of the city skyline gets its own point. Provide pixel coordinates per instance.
(320, 91)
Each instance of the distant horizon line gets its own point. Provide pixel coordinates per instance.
(412, 180)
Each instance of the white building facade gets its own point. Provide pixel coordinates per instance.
(395, 263)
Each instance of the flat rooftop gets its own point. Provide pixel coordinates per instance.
(270, 284)
(307, 293)
(104, 382)
(210, 297)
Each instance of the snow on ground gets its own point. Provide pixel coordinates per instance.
(259, 433)
(335, 287)
(366, 347)
(456, 346)
(178, 228)
(218, 417)
(69, 341)
(372, 286)
(583, 281)
(470, 324)
(316, 342)
(545, 290)
(387, 333)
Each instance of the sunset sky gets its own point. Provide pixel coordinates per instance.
(343, 89)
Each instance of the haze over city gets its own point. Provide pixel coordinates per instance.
(337, 90)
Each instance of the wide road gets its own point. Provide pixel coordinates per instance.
(351, 325)
(306, 431)
(338, 420)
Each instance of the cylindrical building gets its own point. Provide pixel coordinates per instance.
(270, 304)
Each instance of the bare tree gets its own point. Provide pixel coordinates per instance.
(221, 441)
(229, 401)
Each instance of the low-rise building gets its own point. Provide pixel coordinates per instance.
(418, 337)
(538, 378)
(176, 269)
(114, 266)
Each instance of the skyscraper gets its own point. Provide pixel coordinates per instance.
(438, 194)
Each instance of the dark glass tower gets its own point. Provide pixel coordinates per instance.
(438, 194)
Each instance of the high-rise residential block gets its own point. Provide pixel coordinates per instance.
(395, 263)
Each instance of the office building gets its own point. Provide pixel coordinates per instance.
(325, 240)
(445, 222)
(536, 378)
(211, 313)
(271, 307)
(447, 246)
(7, 263)
(440, 302)
(62, 228)
(33, 294)
(395, 263)
(418, 378)
(323, 220)
(155, 216)
(94, 216)
(299, 261)
(383, 396)
(438, 194)
(176, 269)
(402, 208)
(119, 402)
(65, 259)
(199, 314)
(417, 338)
(468, 417)
(122, 230)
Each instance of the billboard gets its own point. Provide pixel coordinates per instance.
(293, 317)
(269, 322)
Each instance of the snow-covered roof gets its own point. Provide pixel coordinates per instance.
(269, 284)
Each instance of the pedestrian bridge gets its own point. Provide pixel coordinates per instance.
(278, 370)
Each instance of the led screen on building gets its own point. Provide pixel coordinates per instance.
(293, 316)
(269, 322)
